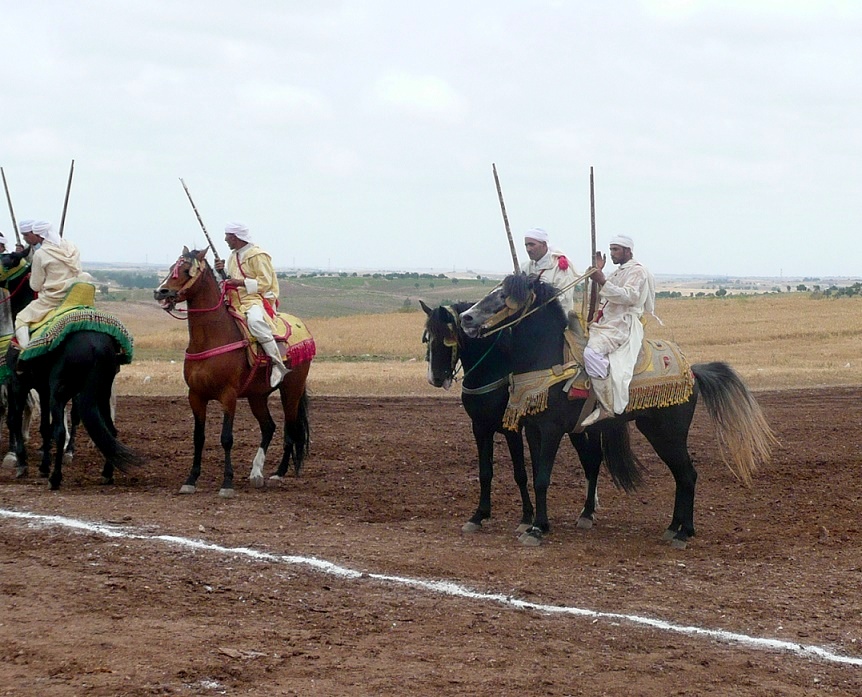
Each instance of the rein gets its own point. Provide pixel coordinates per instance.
(456, 359)
(183, 314)
(507, 311)
(11, 295)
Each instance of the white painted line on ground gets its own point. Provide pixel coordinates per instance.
(440, 587)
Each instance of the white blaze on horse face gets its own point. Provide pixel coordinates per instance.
(474, 317)
(432, 379)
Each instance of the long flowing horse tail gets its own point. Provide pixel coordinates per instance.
(625, 468)
(92, 417)
(745, 438)
(298, 433)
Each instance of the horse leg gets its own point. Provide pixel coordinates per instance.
(260, 409)
(519, 471)
(46, 432)
(668, 437)
(227, 490)
(17, 456)
(72, 419)
(199, 411)
(485, 447)
(543, 441)
(589, 448)
(296, 429)
(58, 428)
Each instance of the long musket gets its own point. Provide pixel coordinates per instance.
(506, 220)
(594, 291)
(11, 211)
(66, 201)
(203, 227)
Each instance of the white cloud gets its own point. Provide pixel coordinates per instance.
(425, 96)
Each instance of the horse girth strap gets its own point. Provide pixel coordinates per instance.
(529, 392)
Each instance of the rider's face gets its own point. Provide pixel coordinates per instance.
(535, 249)
(620, 255)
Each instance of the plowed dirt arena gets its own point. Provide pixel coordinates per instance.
(162, 594)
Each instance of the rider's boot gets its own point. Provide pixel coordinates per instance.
(604, 392)
(22, 334)
(279, 369)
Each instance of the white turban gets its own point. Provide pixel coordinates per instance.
(25, 226)
(622, 241)
(238, 229)
(537, 234)
(3, 239)
(46, 231)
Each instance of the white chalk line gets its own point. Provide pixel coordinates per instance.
(443, 587)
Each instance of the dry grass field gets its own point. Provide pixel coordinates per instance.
(775, 341)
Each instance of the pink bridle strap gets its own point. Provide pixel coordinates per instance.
(217, 351)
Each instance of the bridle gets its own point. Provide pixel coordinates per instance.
(455, 344)
(196, 271)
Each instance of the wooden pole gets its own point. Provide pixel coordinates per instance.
(203, 227)
(506, 221)
(11, 211)
(66, 201)
(594, 291)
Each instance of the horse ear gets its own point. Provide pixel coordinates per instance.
(427, 309)
(185, 251)
(201, 254)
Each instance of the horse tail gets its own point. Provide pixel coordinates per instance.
(624, 466)
(744, 436)
(121, 456)
(298, 433)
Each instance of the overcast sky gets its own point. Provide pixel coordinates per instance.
(726, 137)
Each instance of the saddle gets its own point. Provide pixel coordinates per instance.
(662, 377)
(76, 313)
(294, 340)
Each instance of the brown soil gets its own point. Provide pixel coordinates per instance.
(387, 486)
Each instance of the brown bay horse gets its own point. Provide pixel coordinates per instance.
(217, 367)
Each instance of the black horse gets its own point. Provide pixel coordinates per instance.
(487, 365)
(82, 367)
(537, 322)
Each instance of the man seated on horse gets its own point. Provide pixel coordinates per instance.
(13, 261)
(251, 274)
(55, 265)
(550, 265)
(616, 332)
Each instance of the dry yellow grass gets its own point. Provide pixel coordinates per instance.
(773, 341)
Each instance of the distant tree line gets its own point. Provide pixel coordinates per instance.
(128, 279)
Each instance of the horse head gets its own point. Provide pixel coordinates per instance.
(441, 336)
(180, 280)
(506, 301)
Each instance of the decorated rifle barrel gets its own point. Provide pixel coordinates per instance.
(11, 211)
(506, 220)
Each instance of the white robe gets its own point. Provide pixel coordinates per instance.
(548, 269)
(618, 333)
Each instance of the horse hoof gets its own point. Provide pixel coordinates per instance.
(20, 473)
(530, 539)
(470, 526)
(522, 528)
(276, 478)
(11, 460)
(226, 493)
(106, 481)
(668, 535)
(585, 523)
(188, 489)
(678, 544)
(68, 458)
(257, 482)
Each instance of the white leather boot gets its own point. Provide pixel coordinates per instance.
(279, 369)
(23, 336)
(605, 396)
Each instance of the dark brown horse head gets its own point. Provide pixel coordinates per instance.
(181, 278)
(505, 301)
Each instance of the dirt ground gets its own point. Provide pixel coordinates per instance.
(132, 607)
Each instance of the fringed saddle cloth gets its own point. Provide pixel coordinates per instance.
(662, 377)
(77, 313)
(292, 337)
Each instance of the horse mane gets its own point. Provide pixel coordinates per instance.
(518, 287)
(439, 320)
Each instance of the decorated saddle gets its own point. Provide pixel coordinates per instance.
(662, 377)
(292, 337)
(76, 313)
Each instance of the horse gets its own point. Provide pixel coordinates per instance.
(537, 322)
(80, 367)
(487, 365)
(217, 367)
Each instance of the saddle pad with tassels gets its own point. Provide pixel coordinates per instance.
(662, 378)
(528, 393)
(291, 335)
(76, 313)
